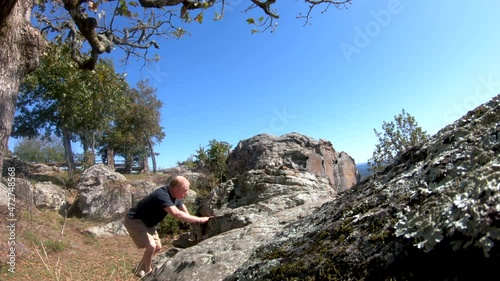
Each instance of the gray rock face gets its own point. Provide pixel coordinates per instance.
(219, 256)
(297, 152)
(102, 193)
(433, 215)
(48, 195)
(248, 210)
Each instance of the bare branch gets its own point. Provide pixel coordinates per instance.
(86, 25)
(266, 7)
(190, 5)
(337, 4)
(102, 36)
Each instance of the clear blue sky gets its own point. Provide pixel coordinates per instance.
(335, 79)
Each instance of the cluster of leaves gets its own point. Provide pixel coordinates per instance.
(396, 138)
(211, 159)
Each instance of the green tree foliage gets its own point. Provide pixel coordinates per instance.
(396, 137)
(137, 128)
(40, 150)
(213, 159)
(59, 98)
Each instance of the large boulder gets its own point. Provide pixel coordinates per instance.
(102, 193)
(274, 181)
(219, 256)
(297, 152)
(49, 196)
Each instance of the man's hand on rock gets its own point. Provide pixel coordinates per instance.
(204, 219)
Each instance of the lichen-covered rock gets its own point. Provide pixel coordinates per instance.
(219, 256)
(257, 194)
(432, 215)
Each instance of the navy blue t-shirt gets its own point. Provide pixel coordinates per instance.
(151, 208)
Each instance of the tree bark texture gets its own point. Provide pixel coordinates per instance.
(20, 46)
(111, 158)
(68, 151)
(153, 156)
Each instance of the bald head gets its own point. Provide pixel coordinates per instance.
(179, 186)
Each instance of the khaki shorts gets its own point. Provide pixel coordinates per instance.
(140, 233)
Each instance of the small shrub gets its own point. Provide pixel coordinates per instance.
(55, 246)
(172, 226)
(169, 226)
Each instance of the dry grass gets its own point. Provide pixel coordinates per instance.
(47, 248)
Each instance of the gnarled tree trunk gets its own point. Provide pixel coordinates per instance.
(20, 46)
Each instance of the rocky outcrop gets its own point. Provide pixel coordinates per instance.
(297, 152)
(217, 257)
(249, 210)
(432, 215)
(49, 196)
(274, 181)
(102, 193)
(256, 195)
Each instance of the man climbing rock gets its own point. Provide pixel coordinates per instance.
(142, 220)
